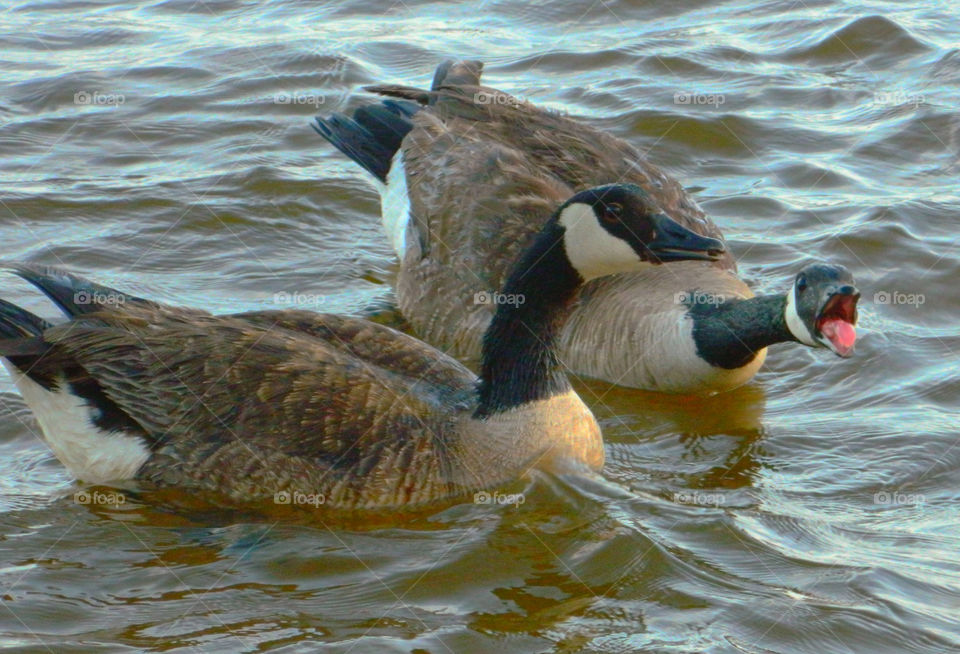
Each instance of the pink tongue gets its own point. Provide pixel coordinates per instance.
(841, 333)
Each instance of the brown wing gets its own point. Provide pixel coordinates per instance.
(575, 154)
(484, 172)
(256, 403)
(476, 223)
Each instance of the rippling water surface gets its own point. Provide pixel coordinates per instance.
(164, 149)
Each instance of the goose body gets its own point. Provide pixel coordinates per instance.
(339, 408)
(466, 182)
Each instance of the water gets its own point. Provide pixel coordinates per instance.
(164, 149)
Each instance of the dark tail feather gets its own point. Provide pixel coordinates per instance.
(372, 136)
(73, 294)
(23, 345)
(401, 107)
(21, 341)
(20, 323)
(409, 93)
(457, 73)
(449, 74)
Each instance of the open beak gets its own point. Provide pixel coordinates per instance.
(674, 242)
(837, 320)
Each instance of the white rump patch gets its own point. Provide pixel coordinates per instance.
(395, 205)
(91, 454)
(794, 323)
(592, 250)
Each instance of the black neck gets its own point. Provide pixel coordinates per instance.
(730, 334)
(519, 361)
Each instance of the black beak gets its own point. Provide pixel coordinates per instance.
(674, 242)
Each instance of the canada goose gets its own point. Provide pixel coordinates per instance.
(339, 408)
(467, 174)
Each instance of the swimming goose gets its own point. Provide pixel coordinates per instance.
(330, 407)
(467, 174)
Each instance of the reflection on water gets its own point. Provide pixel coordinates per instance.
(164, 149)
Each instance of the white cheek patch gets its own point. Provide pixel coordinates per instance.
(794, 323)
(592, 250)
(395, 205)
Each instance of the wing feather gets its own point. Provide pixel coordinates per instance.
(282, 400)
(485, 170)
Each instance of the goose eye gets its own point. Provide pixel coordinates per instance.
(612, 212)
(802, 283)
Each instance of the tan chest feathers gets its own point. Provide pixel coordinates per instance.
(557, 434)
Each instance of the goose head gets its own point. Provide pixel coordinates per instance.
(618, 228)
(821, 309)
